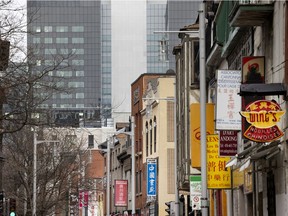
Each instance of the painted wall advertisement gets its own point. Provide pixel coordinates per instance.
(218, 175)
(228, 100)
(121, 193)
(151, 176)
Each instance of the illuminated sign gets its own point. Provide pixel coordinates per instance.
(263, 116)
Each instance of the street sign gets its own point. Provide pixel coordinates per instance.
(195, 192)
(151, 176)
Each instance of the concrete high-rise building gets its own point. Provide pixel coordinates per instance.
(113, 42)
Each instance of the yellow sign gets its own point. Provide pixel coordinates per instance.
(218, 176)
(238, 178)
(195, 134)
(248, 180)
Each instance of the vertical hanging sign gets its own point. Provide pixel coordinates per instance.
(218, 176)
(195, 192)
(151, 177)
(121, 188)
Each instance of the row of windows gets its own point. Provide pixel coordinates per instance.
(62, 40)
(58, 29)
(66, 73)
(70, 84)
(63, 106)
(65, 62)
(151, 136)
(64, 51)
(70, 96)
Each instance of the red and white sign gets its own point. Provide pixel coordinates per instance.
(121, 193)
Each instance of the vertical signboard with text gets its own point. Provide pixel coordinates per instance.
(218, 175)
(151, 176)
(195, 150)
(195, 192)
(228, 100)
(120, 195)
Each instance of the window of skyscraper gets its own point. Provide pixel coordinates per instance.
(61, 40)
(38, 62)
(79, 105)
(50, 51)
(64, 51)
(79, 95)
(37, 29)
(49, 62)
(77, 40)
(48, 40)
(77, 28)
(77, 62)
(48, 28)
(79, 73)
(76, 84)
(65, 62)
(78, 51)
(64, 73)
(61, 28)
(66, 105)
(36, 40)
(65, 96)
(60, 84)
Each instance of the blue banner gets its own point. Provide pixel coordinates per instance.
(151, 177)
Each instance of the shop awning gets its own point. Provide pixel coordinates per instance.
(263, 89)
(267, 153)
(255, 152)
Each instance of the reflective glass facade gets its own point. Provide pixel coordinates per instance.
(84, 28)
(166, 16)
(74, 27)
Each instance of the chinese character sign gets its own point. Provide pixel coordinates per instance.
(121, 188)
(228, 100)
(151, 177)
(218, 176)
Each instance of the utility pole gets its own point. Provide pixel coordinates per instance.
(4, 59)
(108, 177)
(132, 166)
(35, 143)
(204, 199)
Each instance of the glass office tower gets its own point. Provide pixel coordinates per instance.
(72, 28)
(164, 19)
(113, 42)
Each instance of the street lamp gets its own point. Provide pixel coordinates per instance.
(35, 143)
